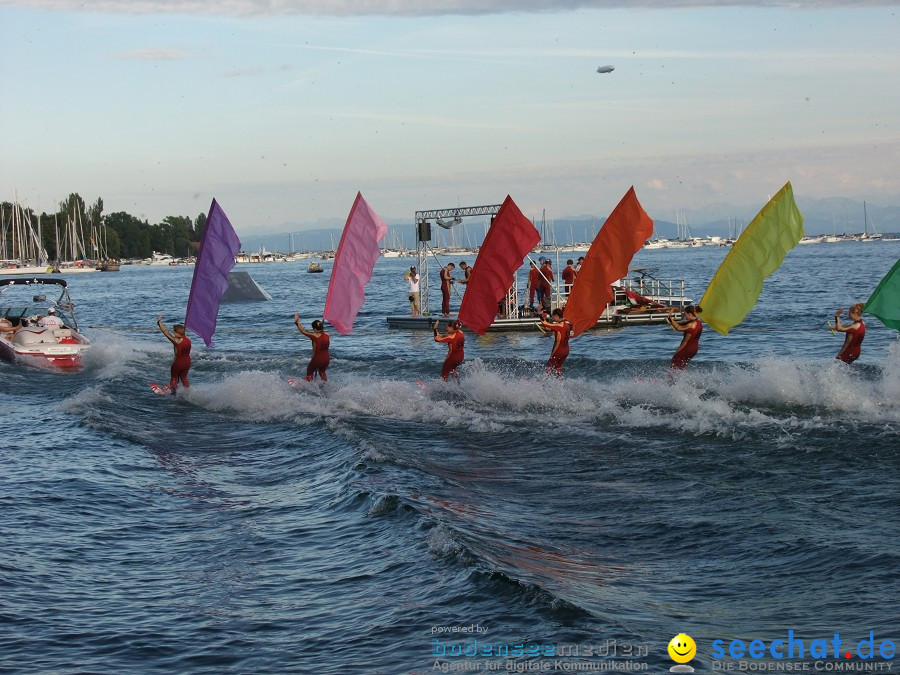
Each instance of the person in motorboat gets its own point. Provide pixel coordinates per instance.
(455, 340)
(51, 321)
(853, 333)
(320, 343)
(690, 341)
(182, 362)
(7, 329)
(561, 331)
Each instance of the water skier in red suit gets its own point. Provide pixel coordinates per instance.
(561, 331)
(320, 342)
(690, 341)
(455, 340)
(182, 363)
(853, 333)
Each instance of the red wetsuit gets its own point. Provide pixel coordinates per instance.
(182, 364)
(560, 347)
(685, 353)
(851, 352)
(445, 291)
(320, 358)
(534, 280)
(568, 277)
(455, 354)
(546, 288)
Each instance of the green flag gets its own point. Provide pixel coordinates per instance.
(758, 252)
(885, 301)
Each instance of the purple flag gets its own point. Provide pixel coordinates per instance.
(353, 265)
(214, 260)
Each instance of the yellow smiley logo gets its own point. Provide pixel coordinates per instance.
(682, 648)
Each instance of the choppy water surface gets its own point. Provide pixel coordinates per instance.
(249, 527)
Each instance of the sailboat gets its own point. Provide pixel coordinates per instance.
(875, 236)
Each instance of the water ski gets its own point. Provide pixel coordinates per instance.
(302, 384)
(162, 391)
(647, 379)
(422, 385)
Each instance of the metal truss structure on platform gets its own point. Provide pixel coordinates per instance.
(424, 250)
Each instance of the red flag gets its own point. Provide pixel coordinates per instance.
(507, 243)
(622, 235)
(353, 264)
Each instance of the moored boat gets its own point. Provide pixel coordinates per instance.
(36, 330)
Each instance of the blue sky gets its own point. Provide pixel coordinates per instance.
(284, 110)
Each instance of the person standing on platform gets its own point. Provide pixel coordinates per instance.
(546, 291)
(412, 277)
(690, 341)
(568, 278)
(455, 340)
(446, 280)
(182, 362)
(534, 283)
(320, 343)
(853, 333)
(467, 272)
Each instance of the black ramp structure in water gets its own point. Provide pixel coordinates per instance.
(242, 288)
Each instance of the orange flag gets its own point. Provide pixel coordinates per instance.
(622, 235)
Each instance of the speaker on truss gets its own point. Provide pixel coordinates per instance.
(424, 230)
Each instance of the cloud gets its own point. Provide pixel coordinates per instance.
(151, 54)
(405, 7)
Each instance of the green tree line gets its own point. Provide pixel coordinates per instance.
(85, 230)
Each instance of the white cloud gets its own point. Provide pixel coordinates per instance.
(405, 7)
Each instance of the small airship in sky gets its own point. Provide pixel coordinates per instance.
(605, 69)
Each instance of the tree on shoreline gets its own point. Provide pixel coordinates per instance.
(90, 233)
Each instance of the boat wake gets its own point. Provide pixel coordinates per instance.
(778, 398)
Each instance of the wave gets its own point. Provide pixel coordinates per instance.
(782, 399)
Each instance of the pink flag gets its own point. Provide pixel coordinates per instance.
(215, 259)
(356, 257)
(507, 243)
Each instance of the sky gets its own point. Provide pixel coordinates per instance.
(284, 109)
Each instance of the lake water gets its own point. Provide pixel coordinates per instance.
(247, 527)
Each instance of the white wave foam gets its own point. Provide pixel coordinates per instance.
(773, 396)
(114, 356)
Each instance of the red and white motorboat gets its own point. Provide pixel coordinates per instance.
(36, 330)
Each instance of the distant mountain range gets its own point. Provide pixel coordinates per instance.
(836, 215)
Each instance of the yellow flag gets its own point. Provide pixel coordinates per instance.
(755, 255)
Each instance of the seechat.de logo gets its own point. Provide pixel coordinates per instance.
(682, 649)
